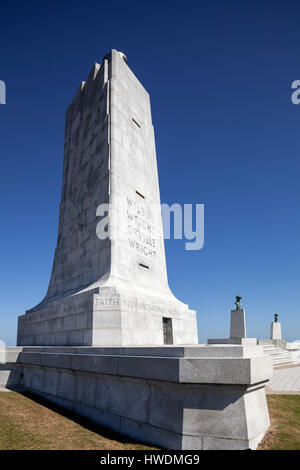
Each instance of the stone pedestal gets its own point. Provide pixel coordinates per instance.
(276, 330)
(237, 324)
(237, 331)
(193, 398)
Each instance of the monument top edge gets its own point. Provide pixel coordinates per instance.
(122, 55)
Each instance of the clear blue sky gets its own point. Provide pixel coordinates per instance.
(227, 135)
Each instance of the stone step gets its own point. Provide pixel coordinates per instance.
(283, 352)
(279, 355)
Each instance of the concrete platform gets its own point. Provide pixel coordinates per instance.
(198, 397)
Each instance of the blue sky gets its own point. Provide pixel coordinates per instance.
(227, 135)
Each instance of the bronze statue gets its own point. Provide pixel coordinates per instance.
(276, 317)
(238, 302)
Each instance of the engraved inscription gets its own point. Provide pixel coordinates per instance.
(141, 229)
(111, 303)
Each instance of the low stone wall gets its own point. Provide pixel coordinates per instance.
(10, 369)
(172, 397)
(294, 349)
(279, 343)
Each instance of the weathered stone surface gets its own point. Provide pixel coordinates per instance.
(111, 291)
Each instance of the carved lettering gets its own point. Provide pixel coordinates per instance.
(141, 229)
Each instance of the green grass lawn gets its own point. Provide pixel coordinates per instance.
(284, 432)
(29, 422)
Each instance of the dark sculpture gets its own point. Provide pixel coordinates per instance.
(276, 317)
(238, 302)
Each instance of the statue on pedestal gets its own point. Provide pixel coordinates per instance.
(238, 302)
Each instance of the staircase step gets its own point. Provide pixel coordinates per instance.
(279, 355)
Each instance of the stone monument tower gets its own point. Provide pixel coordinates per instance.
(109, 290)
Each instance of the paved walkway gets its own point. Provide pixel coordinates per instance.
(286, 379)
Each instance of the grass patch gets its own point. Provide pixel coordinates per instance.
(284, 432)
(28, 422)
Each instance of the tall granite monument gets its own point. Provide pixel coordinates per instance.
(96, 336)
(113, 290)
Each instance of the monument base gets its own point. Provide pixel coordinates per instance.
(275, 330)
(238, 324)
(279, 343)
(194, 397)
(109, 316)
(237, 331)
